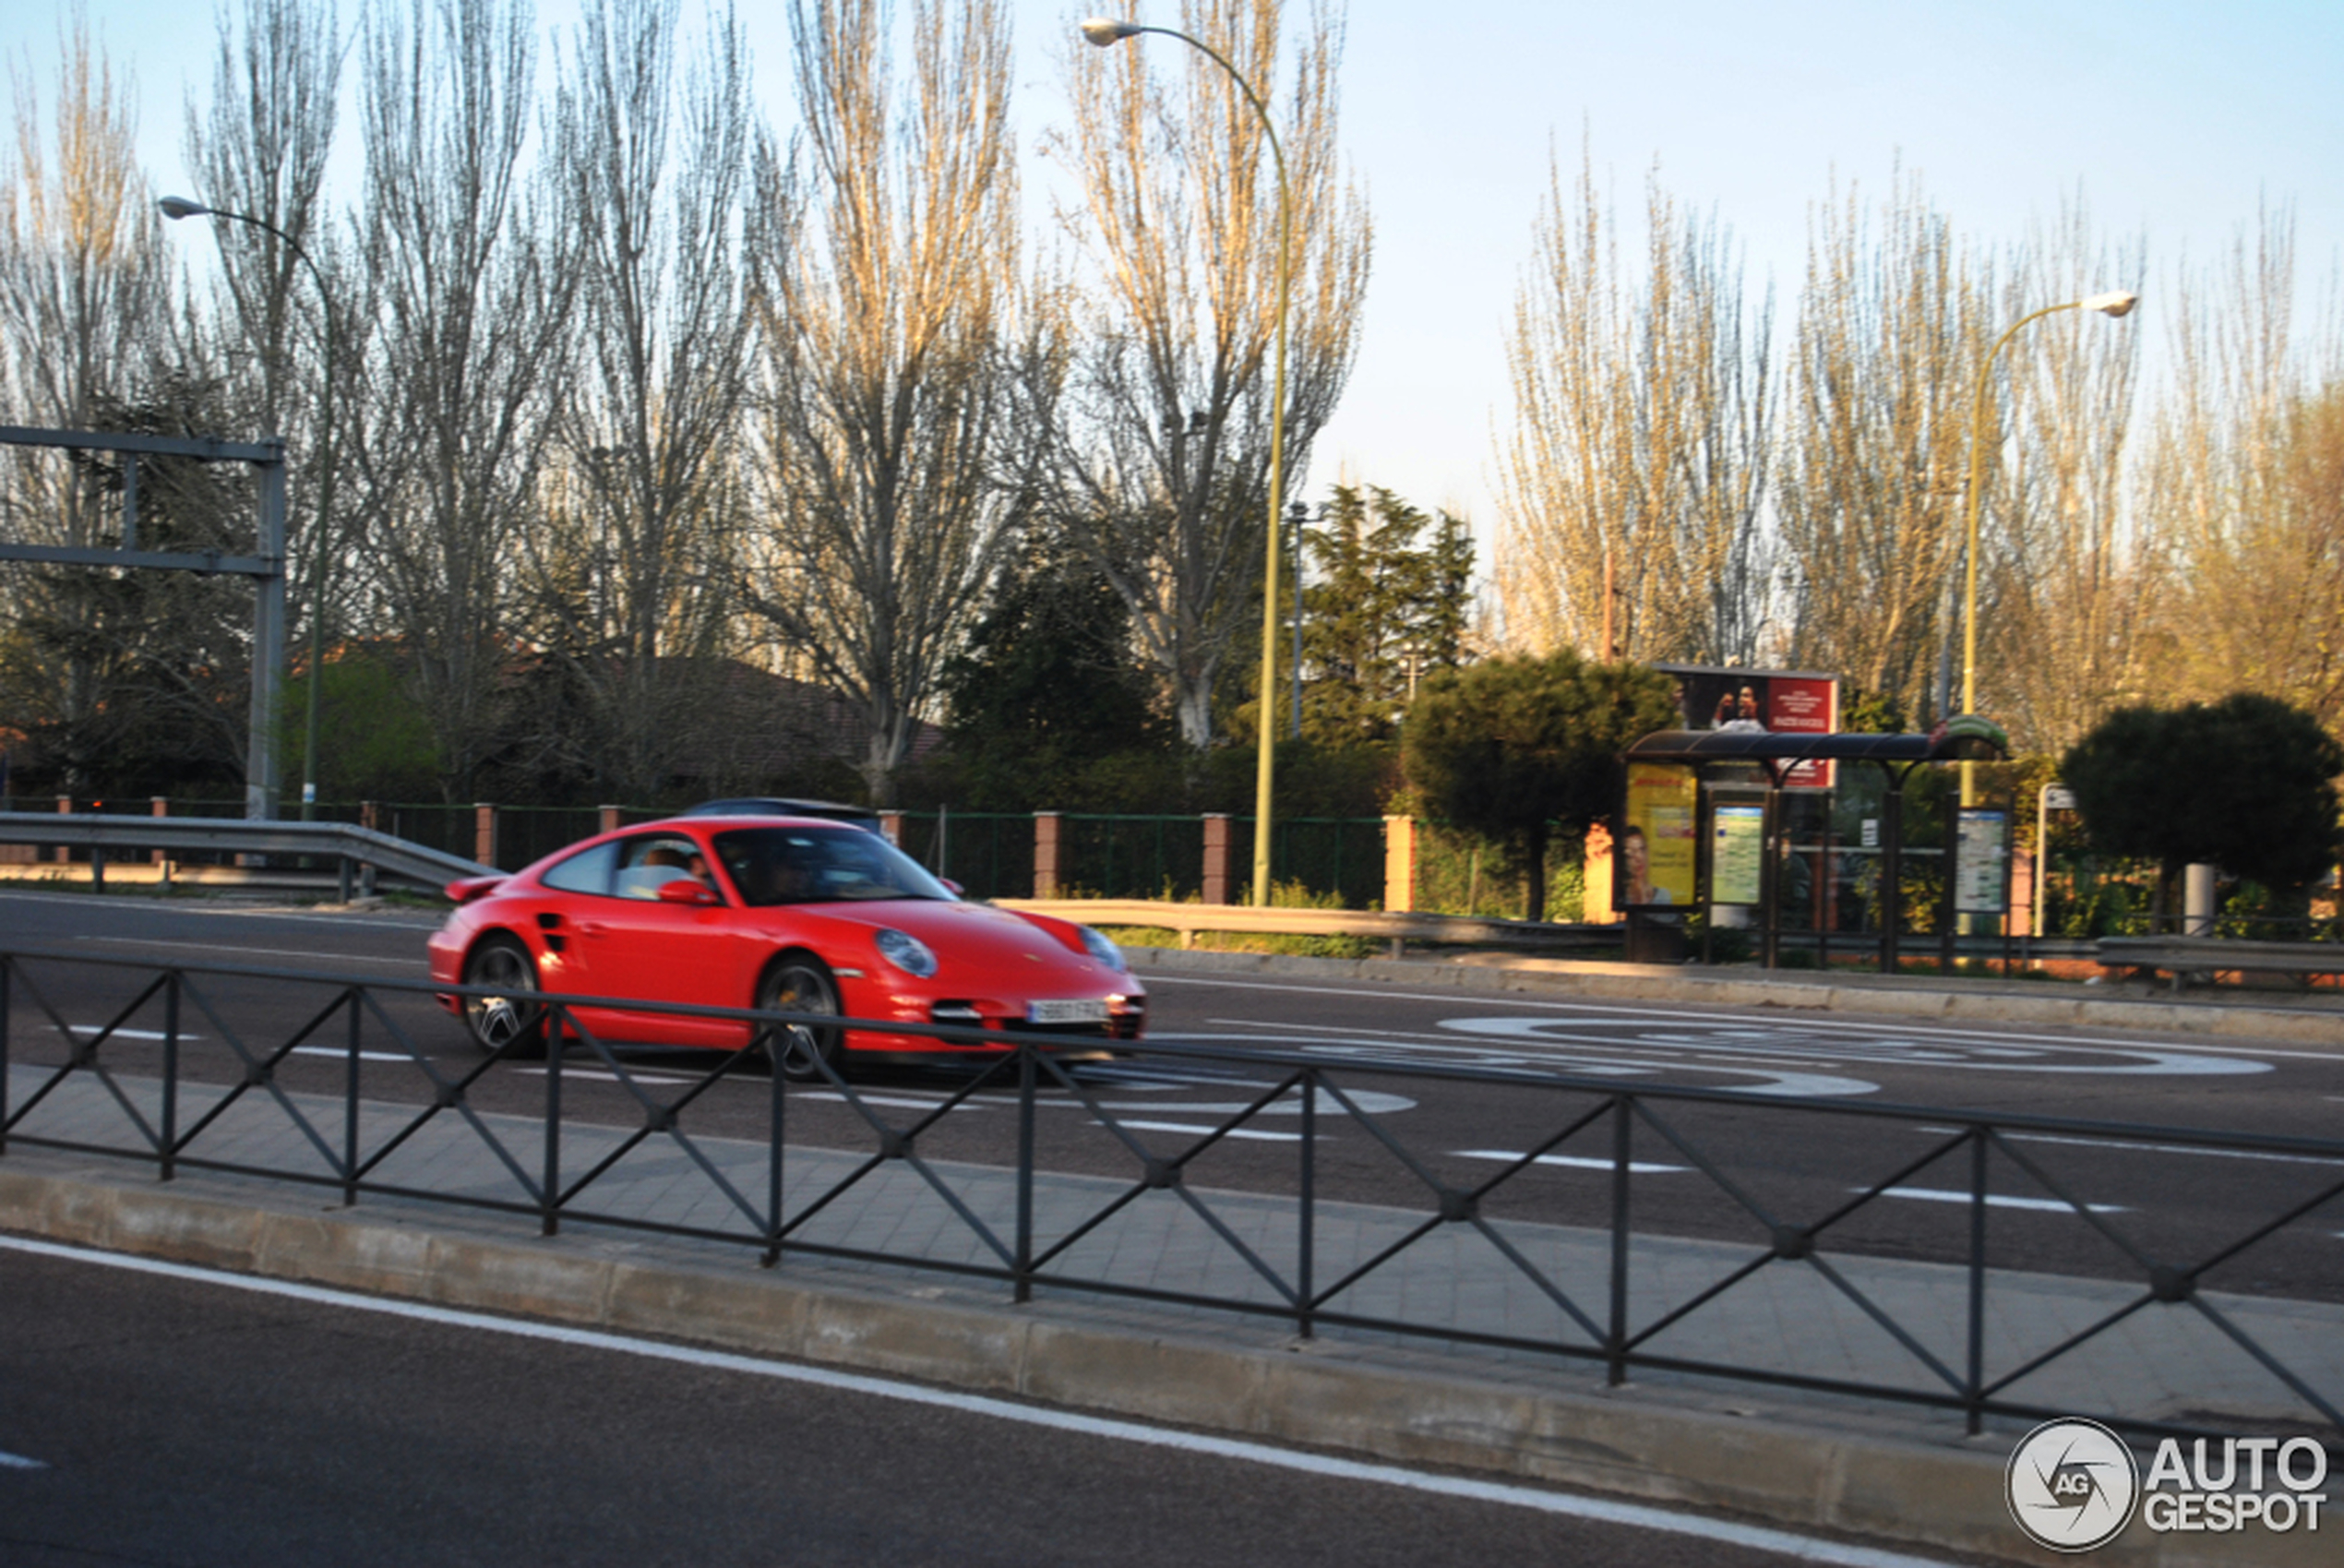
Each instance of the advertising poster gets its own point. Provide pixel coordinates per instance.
(1737, 853)
(1654, 859)
(1978, 861)
(1783, 702)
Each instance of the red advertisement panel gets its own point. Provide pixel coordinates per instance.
(1761, 699)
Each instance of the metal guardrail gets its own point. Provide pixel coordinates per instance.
(180, 1114)
(1187, 919)
(349, 845)
(2184, 956)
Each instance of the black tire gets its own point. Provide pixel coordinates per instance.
(799, 983)
(505, 1022)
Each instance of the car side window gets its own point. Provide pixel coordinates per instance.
(650, 862)
(589, 870)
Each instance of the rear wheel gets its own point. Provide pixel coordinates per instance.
(508, 1020)
(801, 1051)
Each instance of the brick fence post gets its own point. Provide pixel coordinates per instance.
(892, 828)
(1046, 855)
(65, 807)
(485, 833)
(1216, 857)
(161, 806)
(2021, 914)
(610, 820)
(1399, 865)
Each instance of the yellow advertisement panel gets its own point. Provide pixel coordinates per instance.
(1656, 853)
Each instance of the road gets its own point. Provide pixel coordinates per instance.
(1394, 1140)
(158, 1416)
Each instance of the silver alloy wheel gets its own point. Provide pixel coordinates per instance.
(802, 985)
(505, 1020)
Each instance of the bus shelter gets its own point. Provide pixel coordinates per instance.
(1705, 826)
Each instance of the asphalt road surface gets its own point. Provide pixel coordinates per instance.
(164, 1417)
(1395, 1138)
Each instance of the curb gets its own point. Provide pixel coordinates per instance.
(2317, 1022)
(1654, 1443)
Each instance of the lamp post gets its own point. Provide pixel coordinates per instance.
(1106, 33)
(1300, 516)
(2117, 304)
(175, 208)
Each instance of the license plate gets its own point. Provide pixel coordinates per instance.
(1066, 1012)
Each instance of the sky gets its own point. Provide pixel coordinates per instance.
(2176, 121)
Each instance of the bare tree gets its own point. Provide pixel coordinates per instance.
(888, 284)
(81, 288)
(2065, 586)
(472, 284)
(259, 147)
(1870, 500)
(1164, 474)
(630, 569)
(1638, 465)
(2241, 484)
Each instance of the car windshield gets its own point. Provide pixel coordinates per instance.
(820, 865)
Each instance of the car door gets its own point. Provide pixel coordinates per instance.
(645, 947)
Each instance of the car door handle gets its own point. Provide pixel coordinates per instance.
(590, 928)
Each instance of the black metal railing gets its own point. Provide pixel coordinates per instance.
(196, 1069)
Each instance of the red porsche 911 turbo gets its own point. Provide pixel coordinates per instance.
(786, 914)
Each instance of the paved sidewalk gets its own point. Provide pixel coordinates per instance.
(1789, 1317)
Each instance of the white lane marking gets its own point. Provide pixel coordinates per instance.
(596, 1074)
(896, 1102)
(1994, 1201)
(262, 951)
(127, 1034)
(334, 1051)
(423, 922)
(19, 1462)
(2153, 1148)
(1618, 1060)
(1804, 1018)
(1636, 1515)
(2131, 1063)
(1200, 1132)
(1577, 1162)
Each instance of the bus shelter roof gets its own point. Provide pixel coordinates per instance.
(1968, 739)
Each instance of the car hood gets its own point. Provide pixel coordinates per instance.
(980, 945)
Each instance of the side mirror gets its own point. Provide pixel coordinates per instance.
(953, 886)
(685, 889)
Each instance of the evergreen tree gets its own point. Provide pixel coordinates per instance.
(1517, 749)
(1047, 685)
(1383, 613)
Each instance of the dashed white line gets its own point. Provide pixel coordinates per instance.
(1996, 1201)
(1576, 1162)
(19, 1462)
(1635, 1515)
(1247, 1132)
(2122, 1145)
(230, 950)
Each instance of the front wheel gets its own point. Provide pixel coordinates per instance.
(507, 1020)
(804, 1053)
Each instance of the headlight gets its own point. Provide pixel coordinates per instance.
(1098, 946)
(907, 952)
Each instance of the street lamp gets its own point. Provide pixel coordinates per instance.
(2117, 304)
(1106, 33)
(175, 208)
